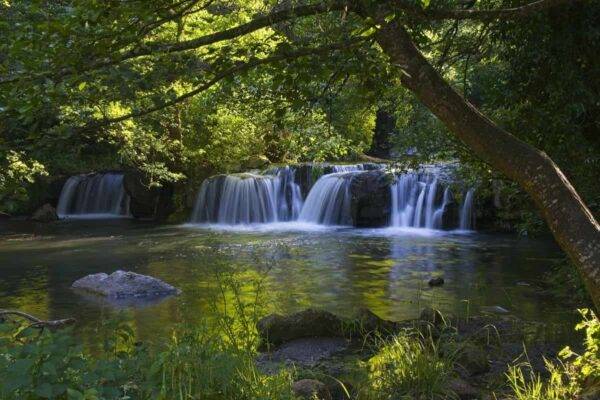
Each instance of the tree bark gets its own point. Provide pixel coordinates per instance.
(572, 224)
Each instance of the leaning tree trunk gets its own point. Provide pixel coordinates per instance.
(572, 224)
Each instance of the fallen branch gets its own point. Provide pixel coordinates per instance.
(36, 322)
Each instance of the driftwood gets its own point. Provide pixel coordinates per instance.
(36, 322)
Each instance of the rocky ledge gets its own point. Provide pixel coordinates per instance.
(125, 284)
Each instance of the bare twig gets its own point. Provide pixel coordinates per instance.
(36, 322)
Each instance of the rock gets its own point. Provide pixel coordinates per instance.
(125, 284)
(369, 322)
(276, 329)
(45, 213)
(463, 389)
(439, 281)
(473, 359)
(311, 389)
(306, 351)
(370, 202)
(432, 316)
(148, 202)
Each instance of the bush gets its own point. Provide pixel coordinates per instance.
(575, 376)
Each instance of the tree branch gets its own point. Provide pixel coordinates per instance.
(36, 322)
(168, 48)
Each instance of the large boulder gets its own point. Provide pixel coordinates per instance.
(45, 213)
(148, 202)
(371, 198)
(277, 329)
(125, 284)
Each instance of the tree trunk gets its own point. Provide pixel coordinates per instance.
(572, 224)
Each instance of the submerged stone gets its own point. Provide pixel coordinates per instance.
(125, 284)
(439, 281)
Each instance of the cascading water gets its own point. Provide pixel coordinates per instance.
(466, 212)
(93, 195)
(249, 198)
(237, 199)
(416, 203)
(417, 200)
(329, 200)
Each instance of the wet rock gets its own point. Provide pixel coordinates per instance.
(463, 389)
(311, 389)
(276, 329)
(125, 284)
(369, 322)
(439, 281)
(473, 359)
(371, 198)
(305, 352)
(148, 202)
(45, 213)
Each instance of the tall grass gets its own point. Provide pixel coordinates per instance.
(575, 376)
(409, 366)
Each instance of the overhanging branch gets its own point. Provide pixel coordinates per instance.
(168, 48)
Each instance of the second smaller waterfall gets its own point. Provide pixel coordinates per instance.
(93, 195)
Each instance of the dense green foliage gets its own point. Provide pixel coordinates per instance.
(197, 362)
(88, 85)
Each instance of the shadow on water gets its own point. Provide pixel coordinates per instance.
(339, 268)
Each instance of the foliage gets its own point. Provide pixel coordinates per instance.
(195, 363)
(15, 174)
(576, 376)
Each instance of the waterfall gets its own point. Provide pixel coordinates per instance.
(329, 200)
(97, 194)
(416, 203)
(414, 199)
(439, 213)
(417, 199)
(237, 199)
(289, 197)
(466, 212)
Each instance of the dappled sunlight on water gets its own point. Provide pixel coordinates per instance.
(295, 266)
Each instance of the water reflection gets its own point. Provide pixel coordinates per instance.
(337, 269)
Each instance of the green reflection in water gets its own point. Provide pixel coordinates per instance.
(339, 270)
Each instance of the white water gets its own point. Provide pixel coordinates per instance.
(329, 200)
(418, 201)
(466, 212)
(93, 196)
(414, 202)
